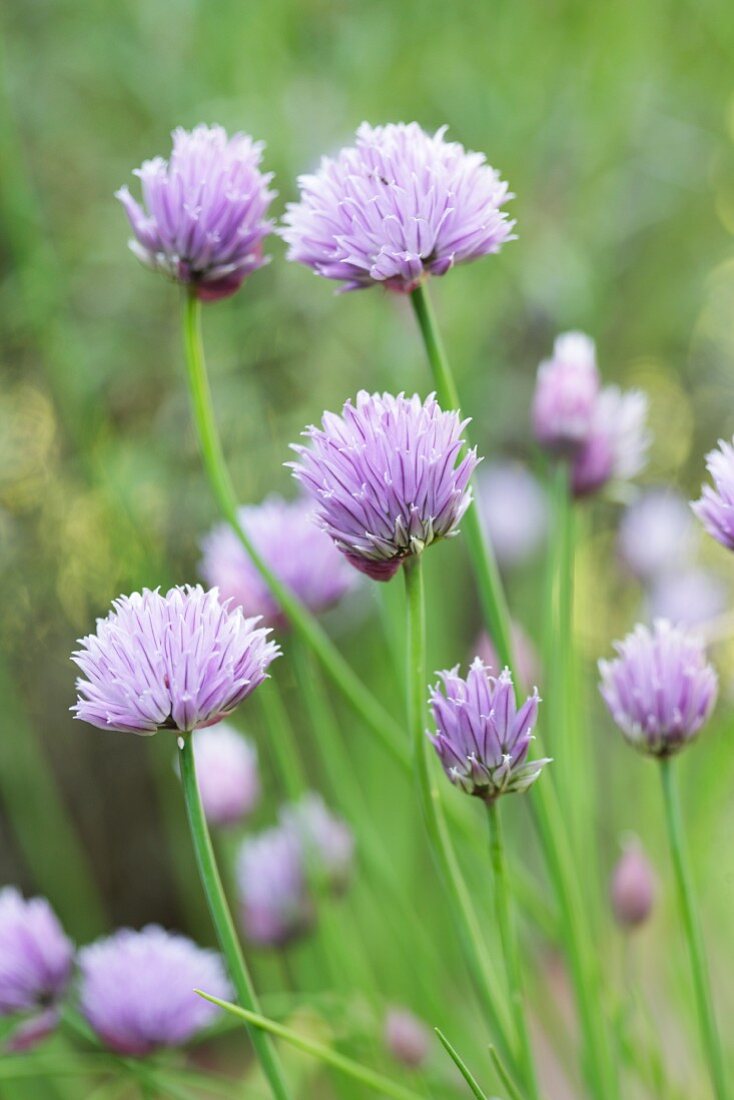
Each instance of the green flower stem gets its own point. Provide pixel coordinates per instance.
(441, 845)
(281, 740)
(461, 1065)
(684, 885)
(550, 824)
(362, 700)
(510, 950)
(222, 918)
(486, 573)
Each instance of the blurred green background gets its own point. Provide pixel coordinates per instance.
(614, 124)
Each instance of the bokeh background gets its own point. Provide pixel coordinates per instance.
(614, 124)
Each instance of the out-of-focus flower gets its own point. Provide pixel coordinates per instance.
(632, 889)
(227, 774)
(387, 478)
(482, 740)
(514, 509)
(527, 662)
(203, 217)
(617, 444)
(396, 207)
(326, 841)
(275, 904)
(660, 689)
(36, 959)
(178, 662)
(689, 597)
(566, 393)
(406, 1037)
(286, 535)
(656, 535)
(137, 989)
(715, 509)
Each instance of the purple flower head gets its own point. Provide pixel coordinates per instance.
(292, 544)
(227, 774)
(397, 206)
(177, 662)
(656, 535)
(616, 447)
(482, 740)
(660, 689)
(327, 842)
(36, 957)
(203, 217)
(274, 899)
(715, 509)
(632, 888)
(387, 477)
(407, 1038)
(566, 393)
(527, 662)
(514, 509)
(689, 597)
(137, 989)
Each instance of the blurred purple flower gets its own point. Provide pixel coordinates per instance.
(36, 957)
(273, 889)
(715, 509)
(396, 207)
(656, 535)
(326, 842)
(689, 597)
(632, 889)
(514, 509)
(616, 447)
(292, 544)
(526, 657)
(387, 478)
(660, 689)
(566, 393)
(137, 989)
(179, 662)
(407, 1038)
(482, 741)
(203, 217)
(227, 774)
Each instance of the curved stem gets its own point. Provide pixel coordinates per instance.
(433, 812)
(222, 918)
(508, 937)
(684, 886)
(364, 702)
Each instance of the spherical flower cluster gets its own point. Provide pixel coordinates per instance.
(137, 989)
(396, 207)
(387, 477)
(36, 957)
(326, 842)
(633, 887)
(715, 509)
(602, 432)
(566, 393)
(297, 550)
(482, 740)
(660, 689)
(227, 774)
(203, 217)
(514, 510)
(176, 661)
(688, 597)
(656, 534)
(275, 903)
(406, 1037)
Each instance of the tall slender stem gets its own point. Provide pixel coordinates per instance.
(433, 812)
(222, 918)
(684, 885)
(489, 584)
(549, 821)
(363, 701)
(510, 951)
